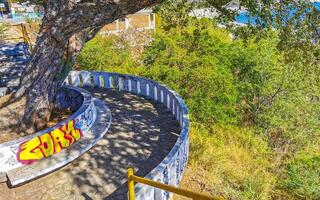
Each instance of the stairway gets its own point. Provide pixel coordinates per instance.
(13, 59)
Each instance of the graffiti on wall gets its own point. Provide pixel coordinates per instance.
(86, 119)
(17, 154)
(49, 143)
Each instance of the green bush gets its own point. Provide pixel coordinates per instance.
(110, 53)
(258, 69)
(302, 177)
(191, 64)
(222, 80)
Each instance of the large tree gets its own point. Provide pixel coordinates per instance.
(66, 26)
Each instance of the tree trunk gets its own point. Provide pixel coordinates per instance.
(67, 25)
(38, 81)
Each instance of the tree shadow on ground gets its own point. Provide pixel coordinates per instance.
(141, 134)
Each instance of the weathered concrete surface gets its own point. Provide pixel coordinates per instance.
(140, 136)
(101, 120)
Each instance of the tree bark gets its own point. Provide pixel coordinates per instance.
(67, 25)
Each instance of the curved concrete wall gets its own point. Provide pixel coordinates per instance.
(171, 169)
(45, 143)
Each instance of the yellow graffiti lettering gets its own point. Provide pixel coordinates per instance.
(47, 146)
(48, 143)
(60, 142)
(30, 150)
(74, 132)
(70, 132)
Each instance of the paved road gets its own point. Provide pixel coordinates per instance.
(141, 135)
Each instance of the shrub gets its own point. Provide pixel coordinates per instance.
(302, 177)
(109, 53)
(192, 62)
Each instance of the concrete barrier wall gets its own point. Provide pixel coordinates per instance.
(45, 143)
(171, 169)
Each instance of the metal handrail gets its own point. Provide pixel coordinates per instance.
(183, 192)
(25, 35)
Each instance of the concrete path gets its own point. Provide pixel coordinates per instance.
(141, 135)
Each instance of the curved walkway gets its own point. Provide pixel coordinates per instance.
(140, 136)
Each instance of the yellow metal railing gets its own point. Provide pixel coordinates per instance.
(183, 192)
(25, 35)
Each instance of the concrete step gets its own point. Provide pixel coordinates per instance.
(3, 91)
(12, 72)
(13, 64)
(8, 46)
(10, 83)
(12, 52)
(15, 59)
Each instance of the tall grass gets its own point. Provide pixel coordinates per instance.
(234, 160)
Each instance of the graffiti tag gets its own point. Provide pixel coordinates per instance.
(49, 143)
(86, 119)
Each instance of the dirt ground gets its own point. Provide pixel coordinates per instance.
(193, 180)
(11, 119)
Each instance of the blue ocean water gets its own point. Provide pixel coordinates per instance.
(244, 18)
